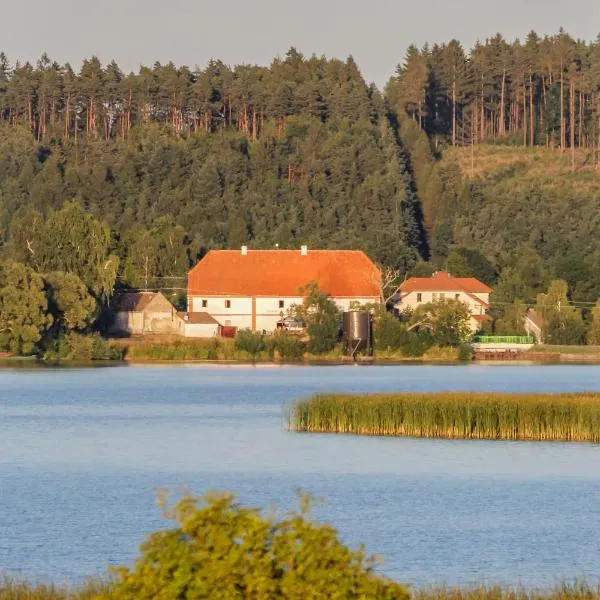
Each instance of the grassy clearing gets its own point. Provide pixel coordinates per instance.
(548, 167)
(460, 415)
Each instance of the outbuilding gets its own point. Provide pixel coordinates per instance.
(141, 313)
(199, 325)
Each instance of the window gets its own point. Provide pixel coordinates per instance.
(419, 297)
(442, 295)
(281, 304)
(204, 303)
(434, 296)
(457, 296)
(227, 303)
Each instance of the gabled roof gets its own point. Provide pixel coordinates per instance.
(132, 301)
(535, 318)
(197, 318)
(340, 273)
(444, 282)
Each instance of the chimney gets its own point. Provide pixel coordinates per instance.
(303, 250)
(244, 250)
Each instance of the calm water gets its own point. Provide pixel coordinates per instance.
(81, 451)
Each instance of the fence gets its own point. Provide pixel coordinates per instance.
(503, 339)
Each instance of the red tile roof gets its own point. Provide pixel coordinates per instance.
(340, 273)
(482, 318)
(444, 282)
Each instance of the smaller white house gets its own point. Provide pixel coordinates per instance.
(142, 313)
(198, 325)
(416, 291)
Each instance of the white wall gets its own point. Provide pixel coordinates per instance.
(201, 330)
(268, 312)
(411, 300)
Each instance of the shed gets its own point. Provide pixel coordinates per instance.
(141, 313)
(199, 325)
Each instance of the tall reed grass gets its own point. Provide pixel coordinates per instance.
(13, 590)
(22, 590)
(459, 415)
(193, 349)
(564, 591)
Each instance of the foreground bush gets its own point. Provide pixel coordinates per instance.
(224, 551)
(466, 415)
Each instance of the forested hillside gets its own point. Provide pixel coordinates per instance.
(127, 179)
(176, 162)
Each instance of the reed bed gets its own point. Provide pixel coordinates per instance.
(11, 589)
(456, 415)
(562, 591)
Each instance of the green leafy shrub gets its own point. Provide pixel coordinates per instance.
(222, 550)
(249, 341)
(389, 332)
(79, 346)
(465, 352)
(448, 321)
(285, 345)
(416, 345)
(322, 318)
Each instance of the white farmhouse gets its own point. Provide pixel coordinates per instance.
(421, 290)
(254, 289)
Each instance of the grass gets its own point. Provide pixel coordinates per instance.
(594, 350)
(11, 590)
(565, 591)
(223, 349)
(22, 590)
(456, 415)
(548, 167)
(197, 349)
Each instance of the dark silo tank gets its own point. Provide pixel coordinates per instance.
(356, 326)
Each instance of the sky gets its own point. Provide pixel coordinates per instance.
(375, 32)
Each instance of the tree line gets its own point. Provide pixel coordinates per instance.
(540, 91)
(103, 102)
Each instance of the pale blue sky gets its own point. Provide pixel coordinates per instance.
(375, 32)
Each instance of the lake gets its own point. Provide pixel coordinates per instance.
(82, 449)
